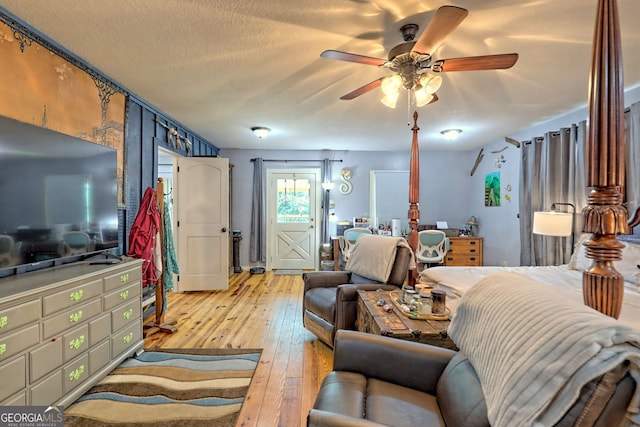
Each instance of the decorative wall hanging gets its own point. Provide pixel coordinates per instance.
(58, 92)
(492, 189)
(478, 160)
(346, 186)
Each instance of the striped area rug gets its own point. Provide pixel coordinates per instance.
(169, 387)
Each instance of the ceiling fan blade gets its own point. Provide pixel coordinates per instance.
(352, 57)
(445, 20)
(362, 90)
(472, 63)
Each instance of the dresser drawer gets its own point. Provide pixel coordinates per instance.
(14, 377)
(99, 329)
(121, 296)
(463, 260)
(118, 280)
(125, 314)
(125, 338)
(99, 357)
(45, 359)
(71, 297)
(23, 314)
(75, 342)
(19, 399)
(70, 318)
(75, 373)
(47, 391)
(18, 341)
(465, 245)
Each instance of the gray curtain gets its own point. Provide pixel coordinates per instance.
(326, 177)
(258, 236)
(632, 156)
(553, 171)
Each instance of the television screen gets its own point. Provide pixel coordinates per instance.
(58, 196)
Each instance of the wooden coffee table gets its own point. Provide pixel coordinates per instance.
(372, 318)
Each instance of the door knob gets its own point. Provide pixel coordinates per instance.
(224, 229)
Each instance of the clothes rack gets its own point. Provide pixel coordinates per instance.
(161, 324)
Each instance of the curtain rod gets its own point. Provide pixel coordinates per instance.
(294, 160)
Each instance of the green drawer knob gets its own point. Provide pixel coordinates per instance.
(124, 277)
(3, 349)
(127, 338)
(127, 314)
(77, 343)
(77, 295)
(3, 321)
(75, 374)
(124, 295)
(75, 317)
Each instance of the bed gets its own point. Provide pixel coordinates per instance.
(456, 281)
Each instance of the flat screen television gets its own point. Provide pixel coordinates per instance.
(58, 198)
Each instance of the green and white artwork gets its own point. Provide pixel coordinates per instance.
(492, 189)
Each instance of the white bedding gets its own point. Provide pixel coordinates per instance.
(458, 280)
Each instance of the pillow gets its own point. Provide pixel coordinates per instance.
(627, 266)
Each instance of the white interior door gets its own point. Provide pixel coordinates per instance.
(292, 226)
(202, 223)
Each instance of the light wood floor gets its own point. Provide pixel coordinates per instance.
(257, 311)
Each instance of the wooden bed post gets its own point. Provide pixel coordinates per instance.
(414, 196)
(604, 216)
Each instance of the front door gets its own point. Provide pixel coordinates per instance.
(292, 226)
(202, 217)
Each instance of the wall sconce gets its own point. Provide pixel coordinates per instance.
(328, 186)
(346, 186)
(554, 223)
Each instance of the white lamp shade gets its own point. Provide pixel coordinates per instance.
(553, 223)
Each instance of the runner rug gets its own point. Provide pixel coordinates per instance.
(169, 387)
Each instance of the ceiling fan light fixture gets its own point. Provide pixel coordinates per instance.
(260, 131)
(430, 82)
(451, 134)
(390, 100)
(422, 97)
(391, 85)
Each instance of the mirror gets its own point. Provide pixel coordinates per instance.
(389, 197)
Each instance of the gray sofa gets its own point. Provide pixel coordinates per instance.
(423, 385)
(330, 297)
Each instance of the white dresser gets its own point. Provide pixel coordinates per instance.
(65, 328)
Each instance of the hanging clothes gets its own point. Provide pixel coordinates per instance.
(169, 257)
(142, 237)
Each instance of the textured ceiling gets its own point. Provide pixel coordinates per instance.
(220, 67)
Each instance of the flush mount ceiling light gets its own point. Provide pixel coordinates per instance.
(451, 134)
(260, 131)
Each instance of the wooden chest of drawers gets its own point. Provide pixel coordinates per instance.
(464, 251)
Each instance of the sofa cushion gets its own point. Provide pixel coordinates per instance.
(342, 393)
(460, 394)
(398, 406)
(322, 302)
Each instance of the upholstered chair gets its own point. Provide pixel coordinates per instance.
(330, 297)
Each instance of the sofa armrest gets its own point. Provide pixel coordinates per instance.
(406, 363)
(319, 418)
(325, 279)
(347, 302)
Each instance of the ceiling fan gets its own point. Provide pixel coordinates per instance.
(411, 60)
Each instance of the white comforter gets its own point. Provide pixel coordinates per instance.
(458, 280)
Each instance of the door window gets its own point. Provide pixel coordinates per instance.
(294, 200)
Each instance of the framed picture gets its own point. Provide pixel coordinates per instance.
(492, 189)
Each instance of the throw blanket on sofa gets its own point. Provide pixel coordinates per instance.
(533, 349)
(373, 256)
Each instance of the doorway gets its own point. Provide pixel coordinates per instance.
(293, 209)
(200, 218)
